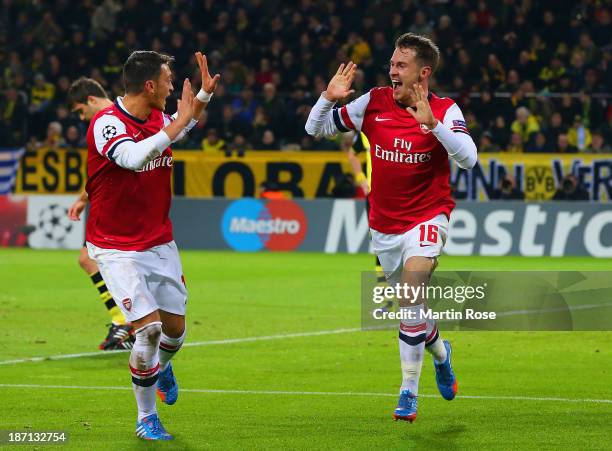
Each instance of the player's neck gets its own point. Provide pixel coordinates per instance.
(137, 106)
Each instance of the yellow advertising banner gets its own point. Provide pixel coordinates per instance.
(312, 174)
(52, 171)
(299, 174)
(537, 175)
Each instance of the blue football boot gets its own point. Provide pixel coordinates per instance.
(406, 409)
(150, 428)
(167, 388)
(445, 377)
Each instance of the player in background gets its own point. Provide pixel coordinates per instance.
(412, 133)
(129, 233)
(86, 97)
(363, 181)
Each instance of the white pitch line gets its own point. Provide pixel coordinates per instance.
(190, 344)
(292, 335)
(307, 393)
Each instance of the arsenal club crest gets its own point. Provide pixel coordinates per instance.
(127, 303)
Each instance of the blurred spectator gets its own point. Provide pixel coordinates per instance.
(563, 145)
(103, 19)
(571, 189)
(73, 138)
(485, 109)
(555, 128)
(500, 132)
(279, 55)
(474, 126)
(486, 144)
(493, 73)
(568, 108)
(267, 141)
(212, 142)
(598, 145)
(41, 97)
(238, 146)
(552, 73)
(516, 144)
(273, 106)
(420, 24)
(507, 190)
(54, 138)
(230, 125)
(537, 144)
(525, 124)
(13, 118)
(578, 135)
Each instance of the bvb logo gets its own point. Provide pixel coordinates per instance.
(539, 183)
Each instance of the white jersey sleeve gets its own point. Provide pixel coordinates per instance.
(169, 119)
(325, 120)
(108, 132)
(454, 135)
(113, 141)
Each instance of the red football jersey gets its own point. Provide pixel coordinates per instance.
(410, 167)
(128, 209)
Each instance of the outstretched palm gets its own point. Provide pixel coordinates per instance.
(208, 83)
(339, 86)
(422, 114)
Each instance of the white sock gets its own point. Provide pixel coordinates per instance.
(433, 343)
(411, 347)
(168, 347)
(144, 365)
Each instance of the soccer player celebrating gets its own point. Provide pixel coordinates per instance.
(129, 233)
(412, 133)
(86, 97)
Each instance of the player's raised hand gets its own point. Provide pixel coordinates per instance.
(209, 84)
(185, 104)
(75, 210)
(339, 86)
(423, 114)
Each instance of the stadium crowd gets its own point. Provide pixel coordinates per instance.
(531, 76)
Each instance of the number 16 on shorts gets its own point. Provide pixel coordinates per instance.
(428, 234)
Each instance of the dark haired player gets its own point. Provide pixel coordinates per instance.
(86, 97)
(129, 233)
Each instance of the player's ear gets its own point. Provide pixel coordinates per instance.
(149, 86)
(424, 73)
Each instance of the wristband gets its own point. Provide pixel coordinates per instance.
(204, 96)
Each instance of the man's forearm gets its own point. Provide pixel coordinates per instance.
(320, 121)
(198, 107)
(133, 156)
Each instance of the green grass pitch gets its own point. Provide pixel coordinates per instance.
(291, 392)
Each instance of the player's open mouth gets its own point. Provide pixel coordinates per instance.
(396, 84)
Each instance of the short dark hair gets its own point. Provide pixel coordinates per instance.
(427, 52)
(84, 87)
(142, 65)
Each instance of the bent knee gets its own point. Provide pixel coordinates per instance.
(149, 334)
